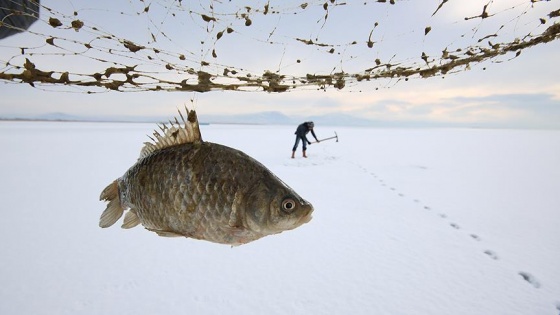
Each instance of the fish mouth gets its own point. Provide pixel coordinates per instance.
(306, 218)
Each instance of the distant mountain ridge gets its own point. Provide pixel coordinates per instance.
(259, 118)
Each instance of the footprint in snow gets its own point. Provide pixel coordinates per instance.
(530, 278)
(491, 254)
(455, 226)
(476, 237)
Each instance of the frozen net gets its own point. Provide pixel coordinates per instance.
(272, 46)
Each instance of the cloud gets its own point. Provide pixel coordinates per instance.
(514, 110)
(327, 102)
(536, 103)
(535, 110)
(543, 103)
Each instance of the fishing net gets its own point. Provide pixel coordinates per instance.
(272, 46)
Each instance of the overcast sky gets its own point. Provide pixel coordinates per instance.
(523, 92)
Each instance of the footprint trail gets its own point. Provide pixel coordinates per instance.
(526, 276)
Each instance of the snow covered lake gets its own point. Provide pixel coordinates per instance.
(406, 221)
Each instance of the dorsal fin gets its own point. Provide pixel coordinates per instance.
(174, 133)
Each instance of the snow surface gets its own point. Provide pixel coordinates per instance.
(426, 221)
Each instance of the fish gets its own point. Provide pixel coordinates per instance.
(182, 186)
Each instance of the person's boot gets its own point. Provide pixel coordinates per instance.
(293, 154)
(304, 154)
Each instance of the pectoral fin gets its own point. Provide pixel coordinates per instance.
(240, 235)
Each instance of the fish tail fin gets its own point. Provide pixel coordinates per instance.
(114, 210)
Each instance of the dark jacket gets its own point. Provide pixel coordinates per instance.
(304, 129)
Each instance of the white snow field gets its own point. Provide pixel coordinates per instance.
(406, 221)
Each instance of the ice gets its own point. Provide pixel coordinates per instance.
(406, 221)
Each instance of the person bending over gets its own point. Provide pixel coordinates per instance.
(301, 132)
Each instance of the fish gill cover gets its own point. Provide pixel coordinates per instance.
(273, 46)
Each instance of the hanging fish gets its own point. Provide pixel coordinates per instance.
(183, 186)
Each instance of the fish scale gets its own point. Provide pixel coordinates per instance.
(182, 186)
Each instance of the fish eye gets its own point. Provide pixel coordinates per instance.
(288, 205)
